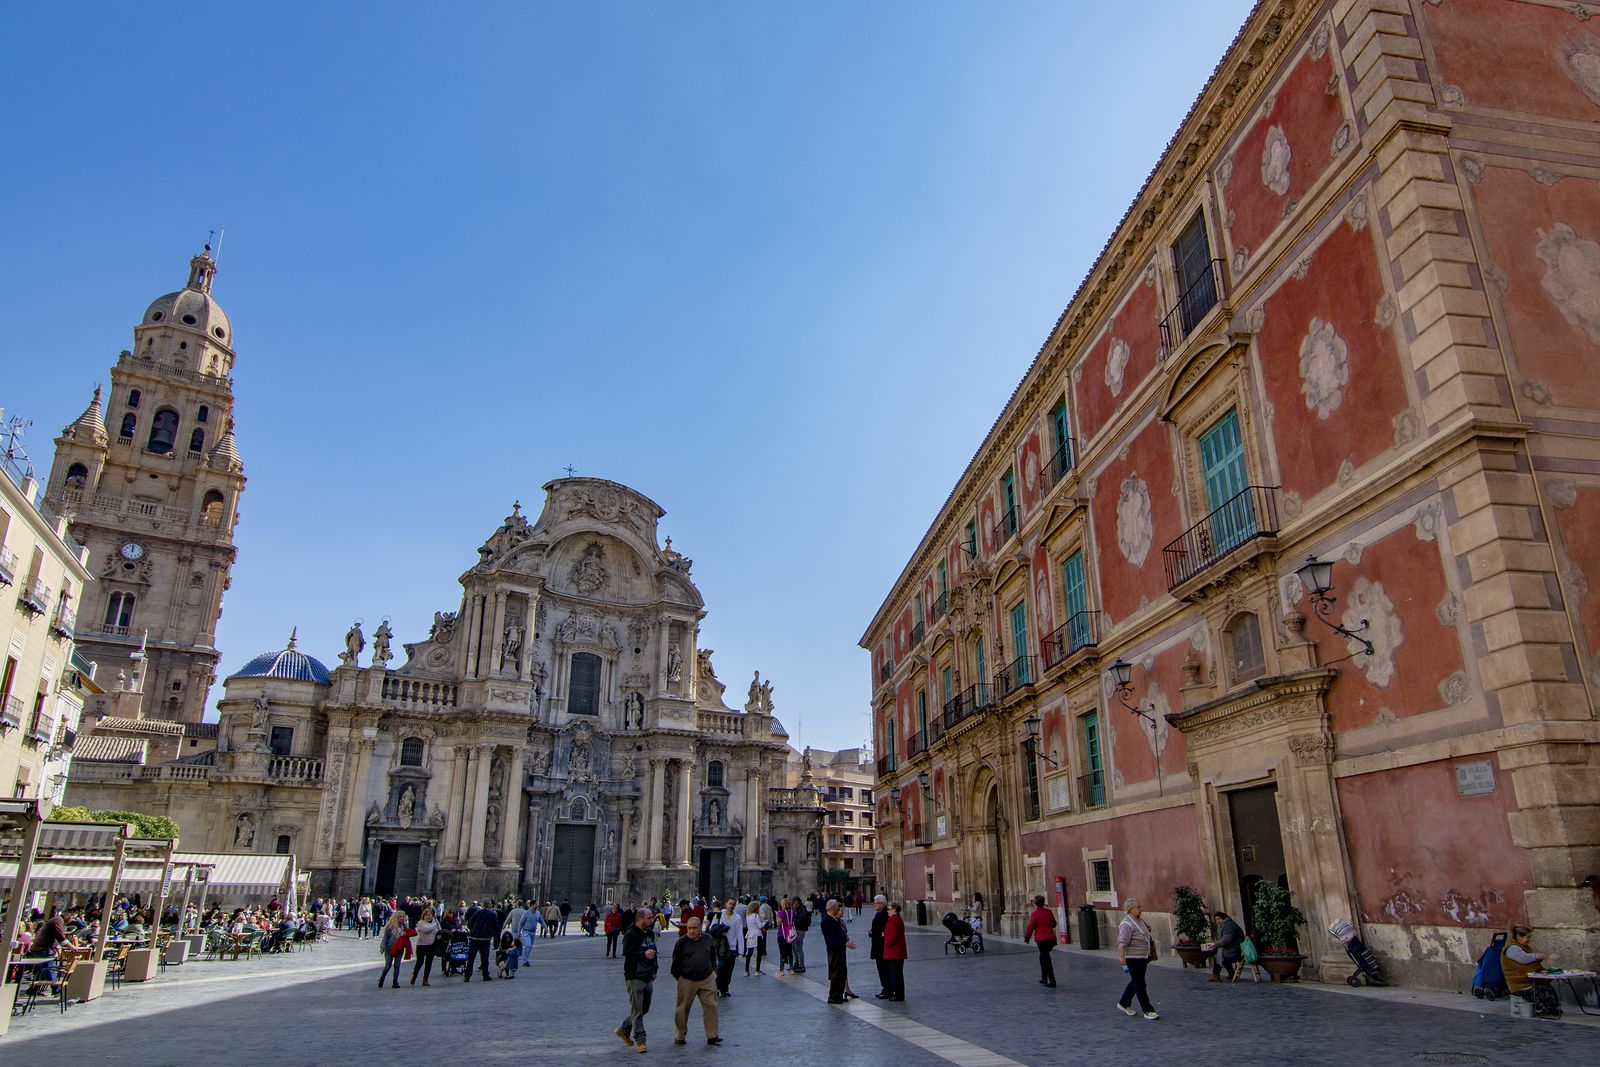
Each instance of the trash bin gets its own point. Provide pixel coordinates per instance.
(1088, 928)
(922, 913)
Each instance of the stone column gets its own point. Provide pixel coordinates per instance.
(511, 806)
(497, 633)
(441, 793)
(685, 812)
(356, 811)
(657, 799)
(480, 803)
(625, 809)
(751, 817)
(530, 852)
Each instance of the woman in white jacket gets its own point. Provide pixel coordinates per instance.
(755, 938)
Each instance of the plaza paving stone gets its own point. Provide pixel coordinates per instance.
(323, 1007)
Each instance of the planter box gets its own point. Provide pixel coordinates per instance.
(1193, 956)
(1282, 968)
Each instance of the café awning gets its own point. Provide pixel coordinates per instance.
(243, 874)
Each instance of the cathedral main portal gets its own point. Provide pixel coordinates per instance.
(572, 865)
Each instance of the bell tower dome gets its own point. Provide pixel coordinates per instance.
(152, 483)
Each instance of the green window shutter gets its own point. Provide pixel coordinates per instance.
(1091, 749)
(1019, 640)
(1233, 518)
(1077, 601)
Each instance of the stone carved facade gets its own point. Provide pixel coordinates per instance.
(542, 739)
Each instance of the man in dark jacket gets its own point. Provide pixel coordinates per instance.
(694, 965)
(484, 927)
(566, 909)
(802, 923)
(638, 973)
(880, 920)
(837, 940)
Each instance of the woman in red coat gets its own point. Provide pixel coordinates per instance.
(894, 953)
(1041, 930)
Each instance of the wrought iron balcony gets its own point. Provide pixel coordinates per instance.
(887, 670)
(1006, 528)
(1015, 675)
(886, 765)
(1058, 466)
(1082, 630)
(64, 622)
(941, 606)
(35, 598)
(917, 745)
(919, 630)
(40, 733)
(970, 701)
(1092, 789)
(8, 566)
(1250, 514)
(11, 713)
(1193, 304)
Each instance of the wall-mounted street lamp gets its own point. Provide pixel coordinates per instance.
(1122, 680)
(1316, 576)
(1032, 725)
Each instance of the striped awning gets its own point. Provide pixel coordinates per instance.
(243, 873)
(80, 837)
(81, 876)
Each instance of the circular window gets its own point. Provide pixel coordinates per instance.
(155, 316)
(190, 319)
(217, 330)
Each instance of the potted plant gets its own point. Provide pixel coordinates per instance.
(1276, 919)
(1189, 926)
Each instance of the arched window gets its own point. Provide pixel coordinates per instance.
(130, 423)
(119, 612)
(77, 474)
(197, 441)
(583, 693)
(714, 773)
(133, 398)
(203, 415)
(411, 752)
(163, 432)
(211, 505)
(1243, 641)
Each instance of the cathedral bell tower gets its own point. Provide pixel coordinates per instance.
(151, 482)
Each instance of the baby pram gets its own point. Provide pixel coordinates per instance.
(1488, 980)
(1367, 969)
(456, 953)
(963, 938)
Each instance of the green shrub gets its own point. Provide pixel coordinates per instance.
(1276, 918)
(143, 825)
(1189, 921)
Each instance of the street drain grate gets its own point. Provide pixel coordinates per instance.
(1451, 1057)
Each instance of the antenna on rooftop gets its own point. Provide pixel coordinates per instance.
(214, 243)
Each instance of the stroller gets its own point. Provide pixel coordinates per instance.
(1488, 980)
(963, 938)
(456, 953)
(1367, 969)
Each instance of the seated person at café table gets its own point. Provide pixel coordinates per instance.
(51, 936)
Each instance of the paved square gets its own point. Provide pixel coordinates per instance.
(323, 1007)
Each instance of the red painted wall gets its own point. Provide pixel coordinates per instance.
(1510, 55)
(912, 866)
(1044, 616)
(1130, 753)
(1030, 486)
(1409, 574)
(1136, 325)
(1299, 355)
(1152, 852)
(1580, 541)
(1121, 581)
(1541, 239)
(1422, 854)
(1308, 114)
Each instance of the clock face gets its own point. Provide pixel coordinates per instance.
(132, 551)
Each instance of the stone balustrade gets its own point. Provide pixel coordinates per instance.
(171, 772)
(89, 771)
(297, 768)
(724, 723)
(804, 797)
(418, 693)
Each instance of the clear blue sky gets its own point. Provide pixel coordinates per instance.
(776, 265)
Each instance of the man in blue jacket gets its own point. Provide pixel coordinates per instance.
(484, 929)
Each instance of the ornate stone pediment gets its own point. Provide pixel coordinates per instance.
(1280, 704)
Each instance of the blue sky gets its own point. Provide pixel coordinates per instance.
(778, 266)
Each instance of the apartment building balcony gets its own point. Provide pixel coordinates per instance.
(11, 714)
(886, 765)
(967, 703)
(919, 630)
(35, 597)
(64, 622)
(1058, 466)
(1092, 789)
(886, 672)
(1006, 528)
(8, 566)
(1015, 676)
(1239, 530)
(941, 606)
(1080, 633)
(1192, 307)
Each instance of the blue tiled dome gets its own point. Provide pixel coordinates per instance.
(289, 664)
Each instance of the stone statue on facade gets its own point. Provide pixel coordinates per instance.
(633, 712)
(512, 655)
(674, 664)
(753, 699)
(444, 627)
(408, 806)
(354, 642)
(263, 706)
(714, 816)
(380, 644)
(244, 831)
(578, 760)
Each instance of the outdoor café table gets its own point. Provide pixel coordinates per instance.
(37, 965)
(1570, 979)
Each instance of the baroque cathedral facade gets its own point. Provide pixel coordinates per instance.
(560, 734)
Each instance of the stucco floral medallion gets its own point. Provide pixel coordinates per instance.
(1324, 368)
(1580, 57)
(1030, 471)
(1135, 529)
(1116, 365)
(1572, 276)
(1369, 603)
(1275, 161)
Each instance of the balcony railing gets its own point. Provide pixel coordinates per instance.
(887, 670)
(1059, 465)
(11, 713)
(8, 566)
(967, 703)
(35, 598)
(1082, 630)
(1092, 789)
(919, 630)
(64, 622)
(1015, 675)
(172, 772)
(1250, 514)
(1006, 527)
(917, 745)
(1192, 306)
(886, 765)
(941, 606)
(418, 693)
(301, 768)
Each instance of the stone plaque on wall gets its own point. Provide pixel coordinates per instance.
(1475, 778)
